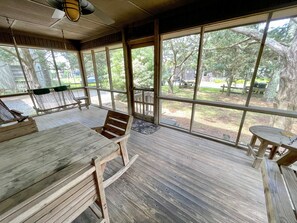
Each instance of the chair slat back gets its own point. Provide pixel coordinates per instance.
(117, 124)
(61, 201)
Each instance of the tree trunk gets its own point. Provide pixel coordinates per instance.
(199, 80)
(229, 83)
(170, 85)
(271, 90)
(286, 97)
(46, 74)
(29, 68)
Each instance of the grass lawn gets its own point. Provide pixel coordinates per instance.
(219, 122)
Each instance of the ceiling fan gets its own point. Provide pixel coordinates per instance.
(73, 9)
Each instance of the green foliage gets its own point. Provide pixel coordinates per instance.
(68, 68)
(88, 64)
(117, 69)
(179, 56)
(102, 71)
(143, 67)
(8, 55)
(229, 54)
(219, 81)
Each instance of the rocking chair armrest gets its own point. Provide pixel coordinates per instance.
(16, 112)
(98, 129)
(120, 138)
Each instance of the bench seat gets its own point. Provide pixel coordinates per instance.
(280, 187)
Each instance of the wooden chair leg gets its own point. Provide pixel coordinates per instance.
(101, 201)
(273, 151)
(252, 145)
(124, 152)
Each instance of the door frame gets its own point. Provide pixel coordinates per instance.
(134, 44)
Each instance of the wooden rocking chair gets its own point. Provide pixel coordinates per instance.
(117, 127)
(9, 115)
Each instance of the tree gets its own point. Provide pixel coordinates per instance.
(285, 46)
(102, 70)
(118, 69)
(29, 59)
(68, 67)
(229, 55)
(143, 67)
(179, 55)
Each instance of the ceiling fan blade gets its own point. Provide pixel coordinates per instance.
(103, 17)
(58, 14)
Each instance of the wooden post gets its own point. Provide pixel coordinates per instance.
(96, 76)
(22, 66)
(253, 78)
(157, 70)
(83, 75)
(143, 114)
(110, 77)
(258, 59)
(198, 74)
(128, 75)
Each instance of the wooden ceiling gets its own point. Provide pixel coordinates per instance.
(34, 16)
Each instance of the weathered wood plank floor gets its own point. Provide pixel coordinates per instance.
(177, 178)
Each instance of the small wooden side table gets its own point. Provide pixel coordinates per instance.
(267, 136)
(85, 98)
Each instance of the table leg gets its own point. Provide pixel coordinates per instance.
(252, 145)
(273, 152)
(289, 158)
(260, 154)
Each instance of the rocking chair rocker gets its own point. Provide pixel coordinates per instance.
(117, 127)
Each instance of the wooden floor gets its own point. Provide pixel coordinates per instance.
(177, 178)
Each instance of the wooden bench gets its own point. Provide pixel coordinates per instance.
(49, 99)
(243, 90)
(18, 129)
(280, 187)
(62, 201)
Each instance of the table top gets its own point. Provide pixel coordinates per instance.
(275, 136)
(30, 163)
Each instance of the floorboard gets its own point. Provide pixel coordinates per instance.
(178, 177)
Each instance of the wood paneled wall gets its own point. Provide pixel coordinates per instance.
(198, 13)
(30, 40)
(204, 12)
(102, 41)
(137, 31)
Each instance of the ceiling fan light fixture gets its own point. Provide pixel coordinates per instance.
(75, 8)
(72, 9)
